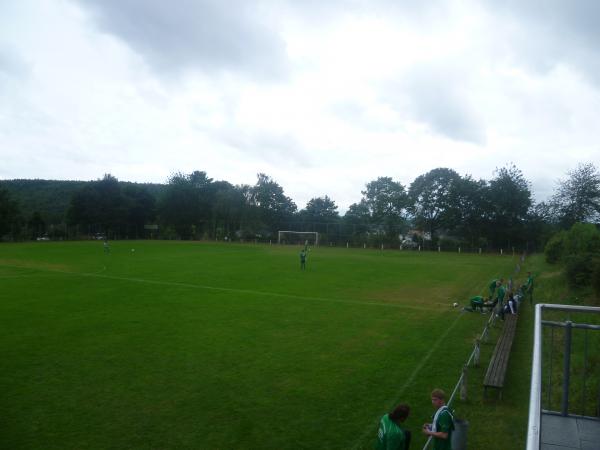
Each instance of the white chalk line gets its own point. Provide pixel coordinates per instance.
(240, 291)
(370, 430)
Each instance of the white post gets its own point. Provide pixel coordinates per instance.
(381, 246)
(270, 243)
(439, 249)
(365, 245)
(501, 251)
(458, 249)
(480, 250)
(346, 244)
(419, 248)
(463, 385)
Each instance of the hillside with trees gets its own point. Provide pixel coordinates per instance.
(440, 208)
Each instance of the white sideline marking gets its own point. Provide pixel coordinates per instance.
(239, 291)
(413, 375)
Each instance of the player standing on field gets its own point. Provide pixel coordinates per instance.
(303, 259)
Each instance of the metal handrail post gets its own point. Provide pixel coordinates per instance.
(564, 406)
(535, 395)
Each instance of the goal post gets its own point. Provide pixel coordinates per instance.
(298, 237)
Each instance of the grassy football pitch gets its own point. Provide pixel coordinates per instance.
(212, 345)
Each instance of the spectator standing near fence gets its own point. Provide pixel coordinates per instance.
(391, 435)
(529, 287)
(495, 284)
(442, 426)
(500, 294)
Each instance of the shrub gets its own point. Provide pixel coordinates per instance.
(595, 281)
(578, 269)
(555, 247)
(582, 238)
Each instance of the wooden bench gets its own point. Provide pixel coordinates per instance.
(494, 377)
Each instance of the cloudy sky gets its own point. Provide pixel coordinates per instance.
(323, 96)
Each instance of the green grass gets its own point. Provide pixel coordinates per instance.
(502, 424)
(200, 345)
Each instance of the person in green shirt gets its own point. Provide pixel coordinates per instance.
(390, 435)
(477, 302)
(303, 259)
(442, 426)
(500, 299)
(529, 287)
(493, 285)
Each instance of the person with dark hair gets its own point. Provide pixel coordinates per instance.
(494, 284)
(511, 305)
(440, 429)
(391, 436)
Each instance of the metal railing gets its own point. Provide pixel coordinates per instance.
(534, 429)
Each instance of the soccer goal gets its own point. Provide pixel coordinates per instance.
(298, 237)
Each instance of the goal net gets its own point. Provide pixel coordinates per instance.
(298, 237)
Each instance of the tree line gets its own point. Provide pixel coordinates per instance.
(440, 208)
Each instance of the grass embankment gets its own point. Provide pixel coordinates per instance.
(502, 424)
(198, 345)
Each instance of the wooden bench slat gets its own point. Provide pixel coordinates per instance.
(496, 371)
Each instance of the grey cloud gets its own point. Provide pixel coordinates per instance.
(207, 35)
(280, 149)
(436, 95)
(320, 11)
(12, 64)
(547, 32)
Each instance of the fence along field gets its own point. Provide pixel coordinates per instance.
(205, 345)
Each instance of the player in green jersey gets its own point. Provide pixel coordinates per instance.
(303, 259)
(529, 287)
(500, 294)
(442, 426)
(390, 435)
(493, 285)
(477, 302)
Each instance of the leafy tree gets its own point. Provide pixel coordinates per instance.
(320, 210)
(141, 208)
(579, 250)
(320, 214)
(9, 214)
(431, 199)
(185, 204)
(554, 248)
(275, 208)
(386, 201)
(509, 196)
(112, 208)
(36, 225)
(468, 208)
(228, 208)
(578, 197)
(98, 205)
(356, 221)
